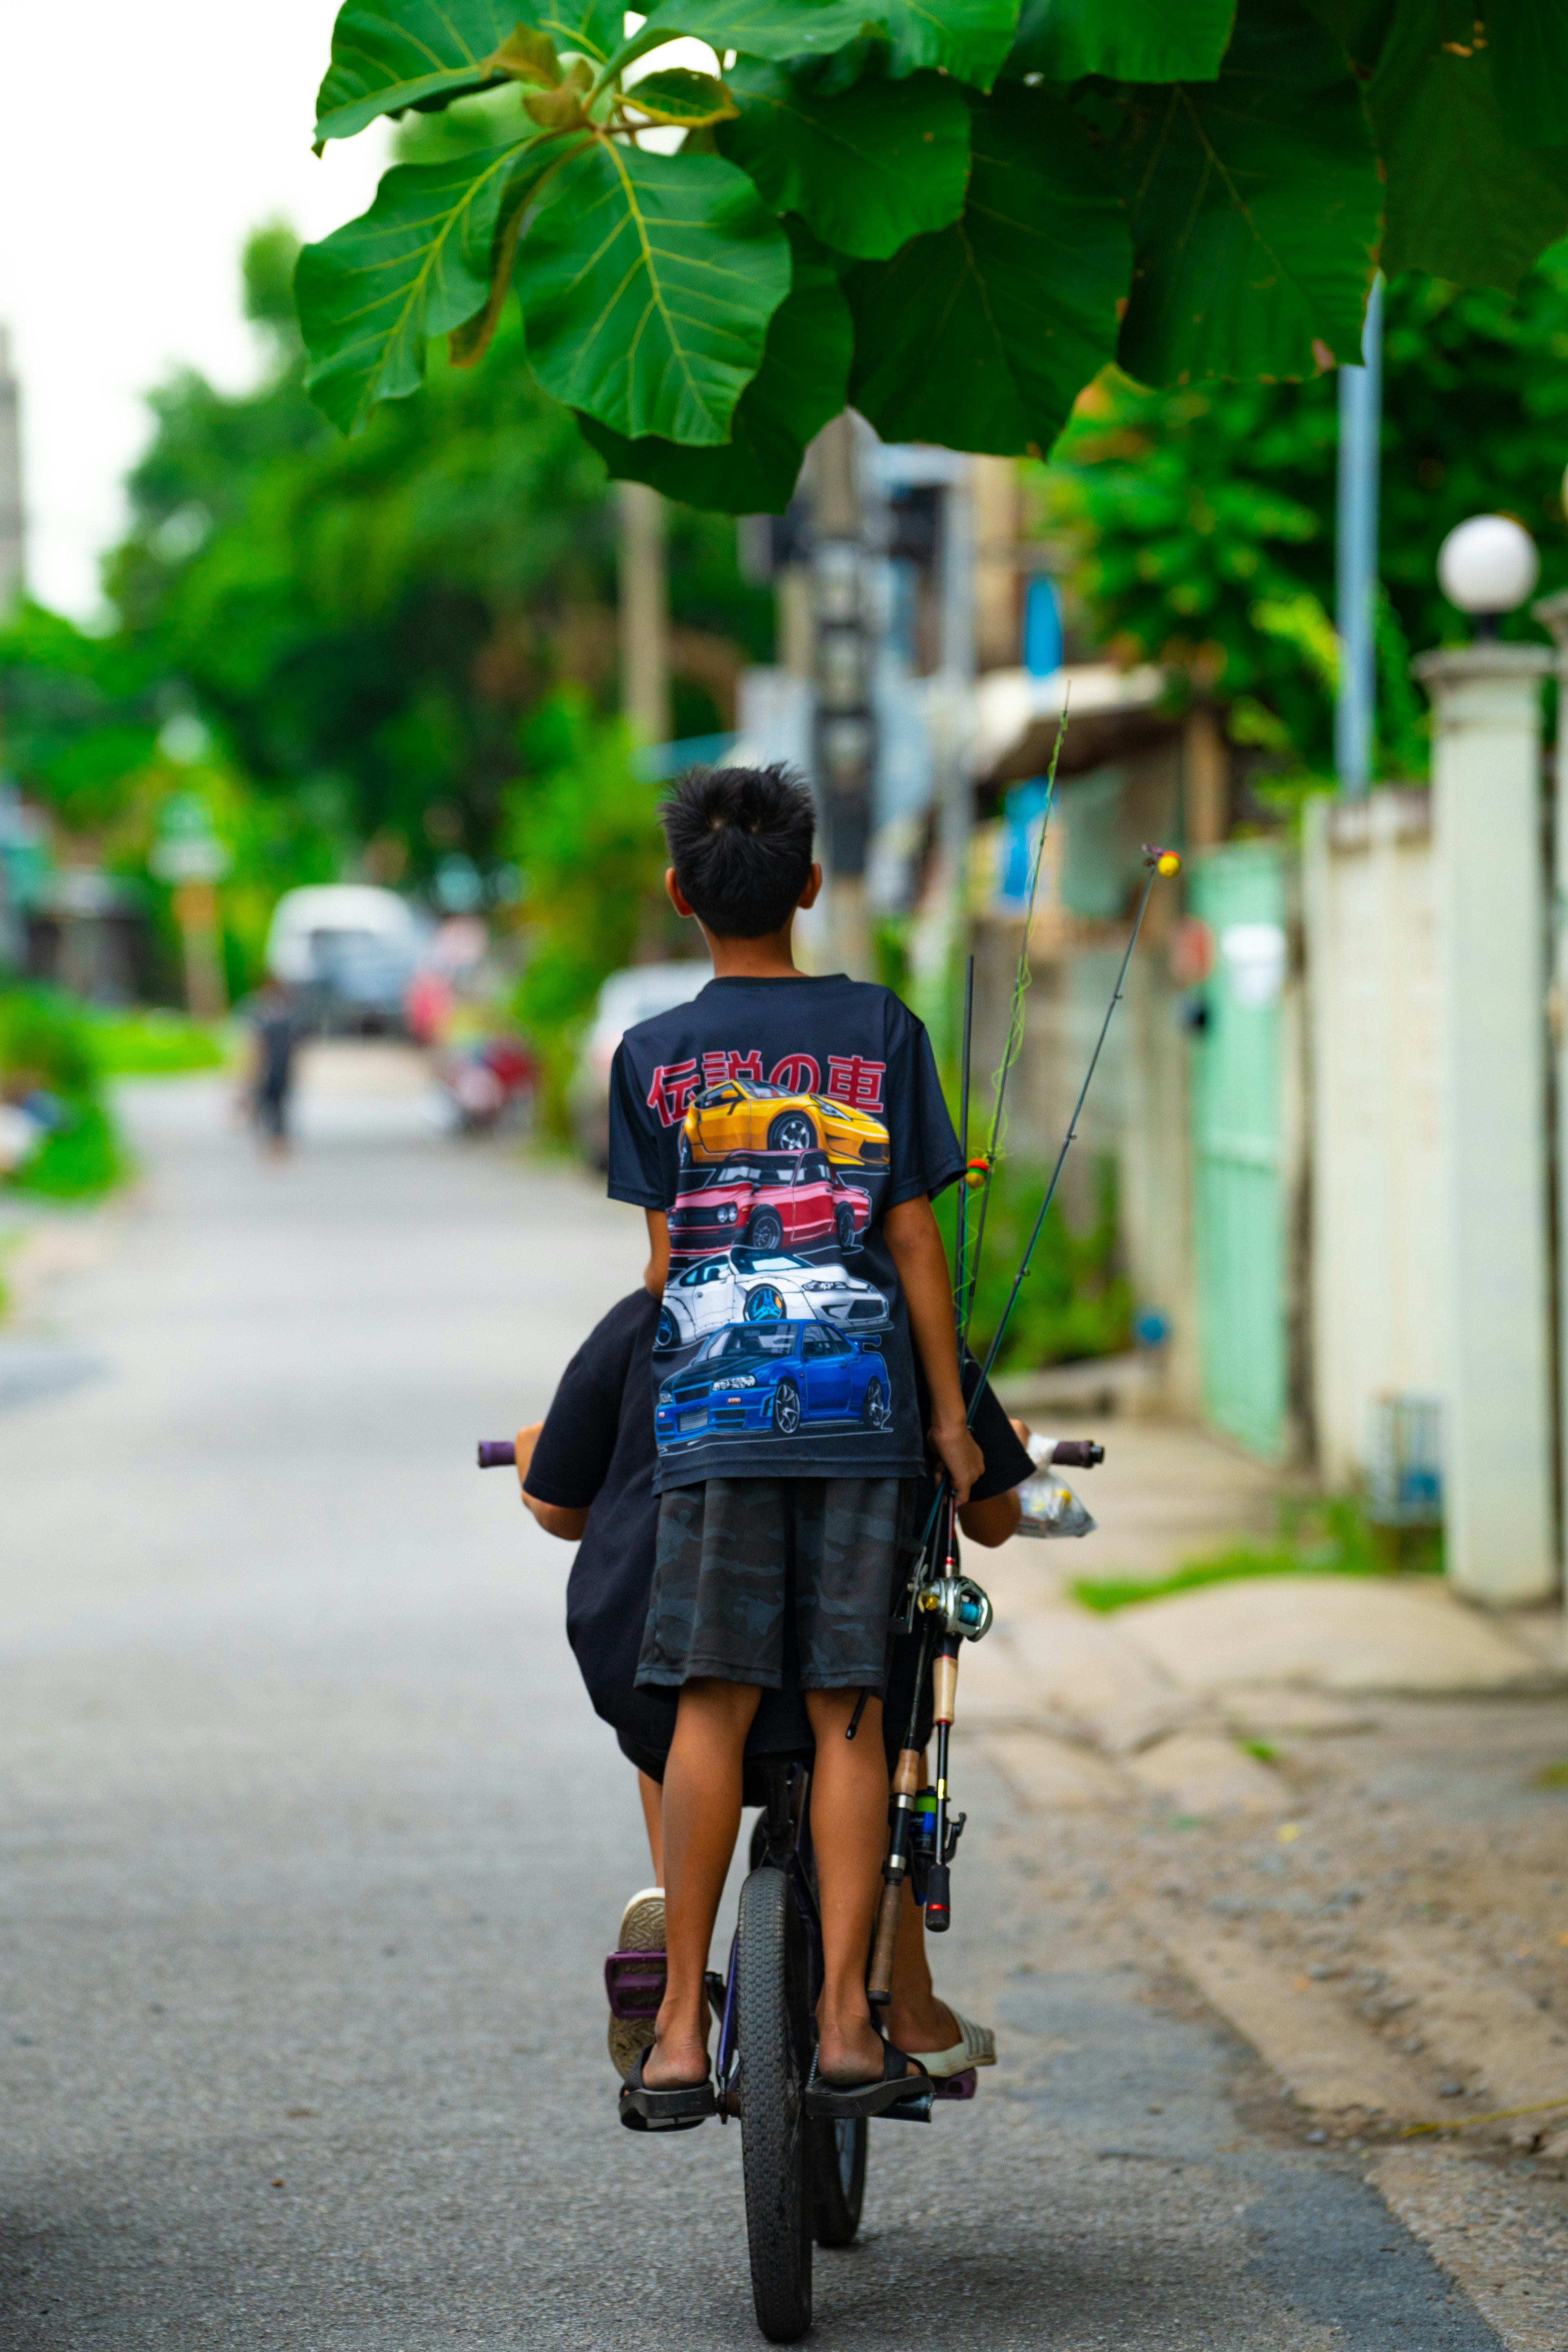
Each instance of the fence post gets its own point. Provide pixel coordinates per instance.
(1498, 1435)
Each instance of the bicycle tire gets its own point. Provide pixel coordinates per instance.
(837, 2178)
(775, 2149)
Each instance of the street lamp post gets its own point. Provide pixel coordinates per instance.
(1486, 786)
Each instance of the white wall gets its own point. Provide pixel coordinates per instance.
(1374, 1008)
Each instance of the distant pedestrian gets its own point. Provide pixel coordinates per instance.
(272, 1074)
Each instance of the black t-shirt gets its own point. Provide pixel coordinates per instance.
(596, 1453)
(777, 1122)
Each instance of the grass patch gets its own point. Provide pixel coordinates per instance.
(1551, 1776)
(78, 1161)
(1264, 1749)
(1323, 1536)
(143, 1042)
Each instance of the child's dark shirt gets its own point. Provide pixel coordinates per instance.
(777, 1122)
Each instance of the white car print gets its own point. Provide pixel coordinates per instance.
(748, 1286)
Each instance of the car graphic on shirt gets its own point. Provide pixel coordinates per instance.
(749, 1286)
(768, 1200)
(744, 1115)
(757, 1379)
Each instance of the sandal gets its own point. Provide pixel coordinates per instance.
(894, 2087)
(634, 1978)
(643, 2108)
(975, 2046)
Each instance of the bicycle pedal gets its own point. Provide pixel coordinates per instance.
(633, 1982)
(916, 2109)
(957, 2086)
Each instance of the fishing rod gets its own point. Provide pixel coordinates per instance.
(979, 1173)
(951, 1607)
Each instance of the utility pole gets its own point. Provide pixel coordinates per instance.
(1355, 554)
(845, 729)
(644, 613)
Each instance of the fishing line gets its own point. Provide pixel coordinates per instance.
(968, 1272)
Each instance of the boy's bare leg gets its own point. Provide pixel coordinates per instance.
(916, 2019)
(702, 1813)
(848, 1836)
(652, 1797)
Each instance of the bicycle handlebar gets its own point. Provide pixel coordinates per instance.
(1072, 1453)
(1077, 1453)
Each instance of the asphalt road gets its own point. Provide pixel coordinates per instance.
(311, 1849)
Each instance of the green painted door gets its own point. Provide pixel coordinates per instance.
(1239, 1189)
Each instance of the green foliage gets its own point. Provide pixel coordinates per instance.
(866, 168)
(1019, 298)
(46, 1042)
(800, 386)
(80, 714)
(1138, 40)
(48, 1046)
(156, 1044)
(580, 825)
(1075, 1302)
(1196, 526)
(1204, 190)
(79, 1161)
(1255, 205)
(1319, 1536)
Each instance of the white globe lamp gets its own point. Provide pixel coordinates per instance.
(1487, 566)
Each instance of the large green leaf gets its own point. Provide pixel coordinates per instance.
(417, 265)
(1362, 26)
(1529, 68)
(1462, 202)
(415, 52)
(967, 38)
(801, 383)
(648, 282)
(1256, 209)
(1130, 40)
(868, 168)
(982, 336)
(757, 29)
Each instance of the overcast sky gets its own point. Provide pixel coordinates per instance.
(139, 147)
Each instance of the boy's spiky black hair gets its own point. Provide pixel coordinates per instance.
(740, 841)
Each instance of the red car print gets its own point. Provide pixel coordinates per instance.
(768, 1200)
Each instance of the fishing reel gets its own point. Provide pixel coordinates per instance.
(960, 1605)
(922, 1840)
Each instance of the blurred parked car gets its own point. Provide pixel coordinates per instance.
(625, 998)
(348, 951)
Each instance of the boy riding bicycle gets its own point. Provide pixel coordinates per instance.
(784, 1136)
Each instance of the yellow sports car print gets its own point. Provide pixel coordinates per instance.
(743, 1115)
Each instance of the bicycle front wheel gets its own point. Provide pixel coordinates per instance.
(837, 2178)
(771, 2027)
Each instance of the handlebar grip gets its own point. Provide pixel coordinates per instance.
(498, 1454)
(1077, 1453)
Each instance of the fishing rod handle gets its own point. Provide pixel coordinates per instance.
(944, 1684)
(498, 1454)
(895, 1870)
(880, 1977)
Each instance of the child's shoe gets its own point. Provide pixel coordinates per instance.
(634, 1979)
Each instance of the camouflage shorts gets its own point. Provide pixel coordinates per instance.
(768, 1580)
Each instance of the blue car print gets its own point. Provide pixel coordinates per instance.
(751, 1378)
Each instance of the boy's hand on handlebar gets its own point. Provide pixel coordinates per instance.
(527, 1439)
(960, 1455)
